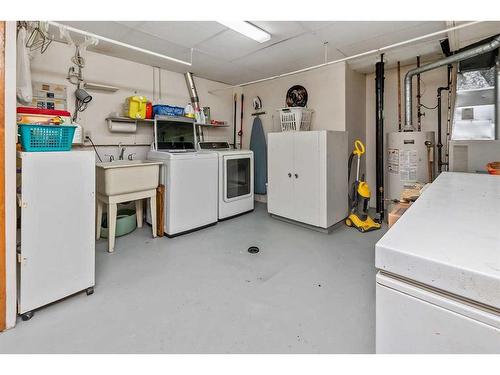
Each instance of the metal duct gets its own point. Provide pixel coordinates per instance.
(193, 94)
(484, 48)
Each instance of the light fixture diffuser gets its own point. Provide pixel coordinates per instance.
(249, 30)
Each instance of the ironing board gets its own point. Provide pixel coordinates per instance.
(259, 148)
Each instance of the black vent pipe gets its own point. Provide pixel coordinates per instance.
(379, 149)
(439, 124)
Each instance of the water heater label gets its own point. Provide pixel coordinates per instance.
(408, 165)
(393, 160)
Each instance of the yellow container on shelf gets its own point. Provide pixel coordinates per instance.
(135, 107)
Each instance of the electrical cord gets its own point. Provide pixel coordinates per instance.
(423, 105)
(95, 149)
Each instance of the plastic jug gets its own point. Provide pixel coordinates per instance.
(149, 110)
(135, 107)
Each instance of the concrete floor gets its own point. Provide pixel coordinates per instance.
(304, 292)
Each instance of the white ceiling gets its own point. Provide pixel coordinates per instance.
(221, 54)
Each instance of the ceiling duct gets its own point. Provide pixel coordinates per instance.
(460, 56)
(484, 61)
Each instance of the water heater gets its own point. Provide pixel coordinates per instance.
(407, 160)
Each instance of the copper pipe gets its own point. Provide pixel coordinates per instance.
(430, 160)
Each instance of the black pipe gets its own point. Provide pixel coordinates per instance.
(234, 120)
(439, 125)
(439, 143)
(379, 149)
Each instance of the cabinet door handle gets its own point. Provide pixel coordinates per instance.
(296, 175)
(289, 175)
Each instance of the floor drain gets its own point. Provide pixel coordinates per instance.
(253, 249)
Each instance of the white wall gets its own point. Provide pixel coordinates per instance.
(355, 115)
(326, 92)
(336, 94)
(131, 78)
(430, 83)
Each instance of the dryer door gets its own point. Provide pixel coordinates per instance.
(238, 177)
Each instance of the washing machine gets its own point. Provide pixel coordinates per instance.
(235, 178)
(190, 177)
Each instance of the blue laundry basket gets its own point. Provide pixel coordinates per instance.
(36, 138)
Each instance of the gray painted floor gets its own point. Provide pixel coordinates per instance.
(305, 292)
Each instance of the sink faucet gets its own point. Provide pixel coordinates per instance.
(121, 150)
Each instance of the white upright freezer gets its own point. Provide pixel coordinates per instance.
(438, 285)
(57, 254)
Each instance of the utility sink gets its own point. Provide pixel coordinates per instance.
(126, 176)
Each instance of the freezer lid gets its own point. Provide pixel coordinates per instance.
(449, 238)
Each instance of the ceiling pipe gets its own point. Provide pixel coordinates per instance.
(484, 48)
(193, 94)
(118, 43)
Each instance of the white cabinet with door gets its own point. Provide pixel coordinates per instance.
(57, 254)
(307, 176)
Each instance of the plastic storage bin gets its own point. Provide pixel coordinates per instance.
(167, 110)
(36, 138)
(135, 107)
(295, 119)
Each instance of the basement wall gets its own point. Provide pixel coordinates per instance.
(336, 94)
(326, 93)
(132, 79)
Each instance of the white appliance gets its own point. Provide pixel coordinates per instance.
(190, 177)
(57, 254)
(307, 176)
(407, 160)
(439, 271)
(236, 179)
(473, 155)
(190, 180)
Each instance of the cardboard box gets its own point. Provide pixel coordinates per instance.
(398, 211)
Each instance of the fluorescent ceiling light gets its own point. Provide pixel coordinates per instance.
(118, 43)
(247, 29)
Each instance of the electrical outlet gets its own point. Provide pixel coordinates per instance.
(87, 133)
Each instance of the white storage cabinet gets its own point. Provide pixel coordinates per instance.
(307, 176)
(57, 254)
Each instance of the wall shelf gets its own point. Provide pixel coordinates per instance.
(212, 125)
(125, 124)
(164, 118)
